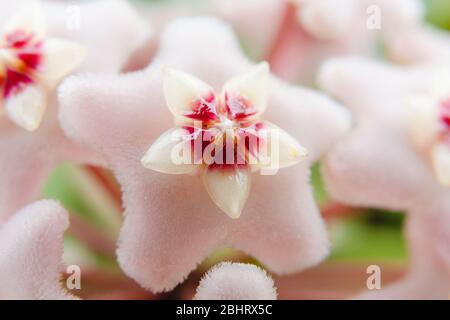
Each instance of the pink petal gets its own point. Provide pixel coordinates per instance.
(236, 281)
(31, 253)
(427, 278)
(377, 165)
(244, 16)
(298, 110)
(26, 159)
(118, 18)
(420, 45)
(282, 208)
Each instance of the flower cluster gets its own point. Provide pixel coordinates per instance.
(201, 147)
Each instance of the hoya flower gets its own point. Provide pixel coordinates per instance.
(297, 35)
(31, 253)
(31, 64)
(397, 156)
(171, 223)
(236, 281)
(422, 44)
(37, 49)
(223, 135)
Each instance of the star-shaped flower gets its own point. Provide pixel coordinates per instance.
(397, 156)
(31, 253)
(170, 222)
(222, 136)
(30, 65)
(298, 35)
(32, 61)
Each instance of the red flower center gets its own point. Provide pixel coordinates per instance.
(20, 57)
(225, 131)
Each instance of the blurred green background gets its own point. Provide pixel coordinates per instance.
(373, 235)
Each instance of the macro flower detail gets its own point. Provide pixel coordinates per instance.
(223, 134)
(430, 127)
(31, 65)
(120, 116)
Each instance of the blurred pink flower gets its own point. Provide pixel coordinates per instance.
(296, 36)
(31, 253)
(27, 158)
(236, 281)
(422, 44)
(397, 157)
(170, 223)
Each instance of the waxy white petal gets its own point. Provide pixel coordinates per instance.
(423, 120)
(27, 107)
(166, 153)
(440, 156)
(181, 90)
(228, 187)
(30, 19)
(279, 148)
(441, 84)
(60, 58)
(251, 85)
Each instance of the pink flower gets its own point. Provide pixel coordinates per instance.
(236, 281)
(170, 222)
(223, 136)
(32, 62)
(31, 253)
(422, 44)
(397, 157)
(296, 36)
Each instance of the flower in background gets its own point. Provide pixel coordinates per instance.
(396, 158)
(296, 36)
(30, 67)
(170, 222)
(236, 281)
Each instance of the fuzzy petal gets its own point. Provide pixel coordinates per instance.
(236, 281)
(378, 166)
(118, 18)
(354, 81)
(297, 110)
(426, 279)
(31, 253)
(282, 208)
